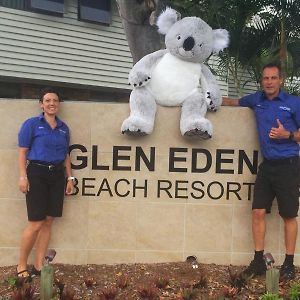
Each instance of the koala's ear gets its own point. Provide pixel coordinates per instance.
(167, 19)
(220, 40)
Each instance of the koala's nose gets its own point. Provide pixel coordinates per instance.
(188, 43)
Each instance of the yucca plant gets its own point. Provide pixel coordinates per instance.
(122, 281)
(236, 279)
(89, 282)
(108, 293)
(67, 294)
(269, 296)
(294, 291)
(229, 293)
(161, 282)
(25, 292)
(201, 283)
(189, 293)
(148, 292)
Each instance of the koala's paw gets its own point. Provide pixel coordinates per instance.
(134, 133)
(135, 126)
(199, 128)
(210, 103)
(198, 134)
(138, 79)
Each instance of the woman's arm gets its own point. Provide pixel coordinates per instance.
(23, 180)
(70, 182)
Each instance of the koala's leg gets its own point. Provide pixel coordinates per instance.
(142, 113)
(193, 122)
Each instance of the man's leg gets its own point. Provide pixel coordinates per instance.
(28, 239)
(257, 265)
(290, 234)
(258, 228)
(42, 242)
(287, 270)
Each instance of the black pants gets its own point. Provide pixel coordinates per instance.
(280, 179)
(46, 192)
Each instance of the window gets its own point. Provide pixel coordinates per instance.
(17, 4)
(47, 6)
(94, 11)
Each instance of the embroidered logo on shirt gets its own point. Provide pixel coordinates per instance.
(41, 127)
(62, 131)
(285, 108)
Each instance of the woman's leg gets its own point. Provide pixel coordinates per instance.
(28, 239)
(42, 242)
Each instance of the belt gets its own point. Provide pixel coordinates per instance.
(282, 161)
(50, 167)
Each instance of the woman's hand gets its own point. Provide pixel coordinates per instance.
(69, 187)
(24, 184)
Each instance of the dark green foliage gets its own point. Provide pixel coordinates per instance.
(268, 296)
(294, 291)
(261, 31)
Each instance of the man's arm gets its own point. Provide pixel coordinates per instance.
(281, 133)
(296, 136)
(230, 101)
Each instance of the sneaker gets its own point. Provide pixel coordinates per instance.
(255, 268)
(287, 272)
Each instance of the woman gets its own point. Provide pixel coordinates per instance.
(43, 163)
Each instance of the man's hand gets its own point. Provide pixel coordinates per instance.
(279, 133)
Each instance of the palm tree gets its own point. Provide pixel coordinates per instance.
(284, 17)
(260, 31)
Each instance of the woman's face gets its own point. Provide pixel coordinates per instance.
(50, 104)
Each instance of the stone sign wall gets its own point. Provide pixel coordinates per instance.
(157, 198)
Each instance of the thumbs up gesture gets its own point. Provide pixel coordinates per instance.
(279, 132)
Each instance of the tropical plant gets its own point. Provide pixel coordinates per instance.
(294, 291)
(269, 296)
(261, 31)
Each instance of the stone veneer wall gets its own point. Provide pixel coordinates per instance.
(122, 224)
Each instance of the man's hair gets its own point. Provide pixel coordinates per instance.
(47, 90)
(273, 65)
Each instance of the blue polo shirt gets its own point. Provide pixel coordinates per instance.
(44, 143)
(286, 108)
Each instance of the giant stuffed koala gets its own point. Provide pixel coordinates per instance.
(176, 76)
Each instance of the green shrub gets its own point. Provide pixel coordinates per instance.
(269, 296)
(294, 291)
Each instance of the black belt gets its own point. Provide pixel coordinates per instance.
(50, 167)
(282, 161)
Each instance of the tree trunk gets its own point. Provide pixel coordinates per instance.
(283, 50)
(142, 37)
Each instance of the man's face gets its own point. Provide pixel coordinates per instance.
(271, 82)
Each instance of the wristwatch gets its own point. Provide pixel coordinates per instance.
(71, 178)
(291, 136)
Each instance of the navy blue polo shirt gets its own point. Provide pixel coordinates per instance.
(286, 108)
(44, 143)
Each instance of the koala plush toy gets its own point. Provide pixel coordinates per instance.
(177, 76)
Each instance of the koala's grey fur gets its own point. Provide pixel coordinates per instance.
(177, 76)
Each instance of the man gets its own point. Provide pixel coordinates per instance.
(278, 120)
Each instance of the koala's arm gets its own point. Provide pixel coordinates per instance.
(140, 74)
(210, 89)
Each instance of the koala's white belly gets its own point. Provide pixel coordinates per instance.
(173, 80)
